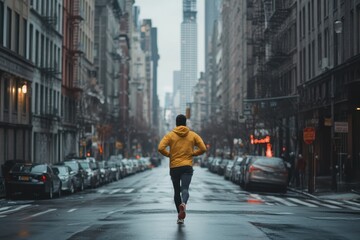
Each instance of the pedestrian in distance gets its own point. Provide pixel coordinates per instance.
(183, 144)
(300, 169)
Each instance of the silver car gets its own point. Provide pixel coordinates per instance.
(67, 177)
(266, 173)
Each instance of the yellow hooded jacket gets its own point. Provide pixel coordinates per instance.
(182, 143)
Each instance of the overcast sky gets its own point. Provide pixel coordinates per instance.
(166, 16)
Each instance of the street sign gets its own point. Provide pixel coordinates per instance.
(341, 127)
(309, 135)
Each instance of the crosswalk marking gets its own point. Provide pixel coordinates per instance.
(352, 203)
(283, 201)
(16, 209)
(115, 191)
(129, 190)
(302, 202)
(324, 204)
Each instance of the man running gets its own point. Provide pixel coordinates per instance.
(184, 145)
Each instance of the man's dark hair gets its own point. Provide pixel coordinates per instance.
(180, 120)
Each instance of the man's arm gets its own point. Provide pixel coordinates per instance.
(163, 145)
(201, 146)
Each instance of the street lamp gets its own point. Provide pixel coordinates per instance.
(337, 30)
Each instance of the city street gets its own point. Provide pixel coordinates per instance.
(141, 207)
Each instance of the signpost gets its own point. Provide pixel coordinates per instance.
(309, 137)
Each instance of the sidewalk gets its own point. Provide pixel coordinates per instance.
(329, 194)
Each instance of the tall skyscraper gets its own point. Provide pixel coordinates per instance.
(188, 53)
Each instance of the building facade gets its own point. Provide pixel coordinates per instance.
(45, 43)
(16, 77)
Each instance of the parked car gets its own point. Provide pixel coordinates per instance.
(235, 171)
(93, 172)
(117, 167)
(228, 169)
(222, 166)
(80, 173)
(243, 166)
(267, 173)
(33, 178)
(67, 177)
(105, 172)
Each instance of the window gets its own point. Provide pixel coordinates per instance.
(36, 98)
(37, 48)
(352, 47)
(25, 37)
(309, 17)
(358, 28)
(2, 23)
(326, 8)
(15, 94)
(326, 42)
(319, 11)
(8, 30)
(31, 43)
(7, 94)
(17, 33)
(42, 51)
(319, 47)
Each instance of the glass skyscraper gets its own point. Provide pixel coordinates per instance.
(188, 53)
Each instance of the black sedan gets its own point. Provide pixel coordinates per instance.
(33, 178)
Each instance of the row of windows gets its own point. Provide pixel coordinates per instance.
(42, 51)
(12, 96)
(14, 100)
(343, 46)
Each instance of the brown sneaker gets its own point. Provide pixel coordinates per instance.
(182, 213)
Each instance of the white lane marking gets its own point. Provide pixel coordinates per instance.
(101, 190)
(324, 204)
(129, 190)
(72, 210)
(16, 209)
(283, 201)
(115, 191)
(40, 213)
(302, 202)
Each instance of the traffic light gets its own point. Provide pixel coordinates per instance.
(188, 112)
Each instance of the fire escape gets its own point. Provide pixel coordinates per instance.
(49, 70)
(76, 48)
(76, 51)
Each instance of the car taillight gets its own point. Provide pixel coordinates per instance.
(43, 178)
(252, 168)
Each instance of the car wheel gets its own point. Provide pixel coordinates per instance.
(72, 188)
(82, 186)
(50, 193)
(59, 191)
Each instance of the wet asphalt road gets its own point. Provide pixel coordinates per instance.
(141, 207)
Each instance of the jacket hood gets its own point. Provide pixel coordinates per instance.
(181, 131)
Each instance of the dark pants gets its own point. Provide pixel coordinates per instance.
(181, 178)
